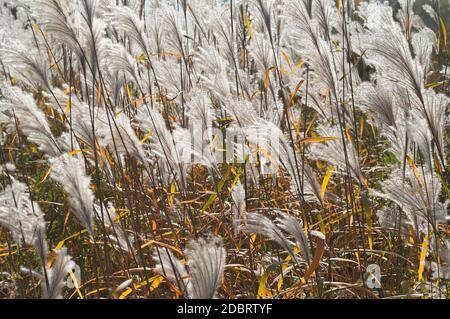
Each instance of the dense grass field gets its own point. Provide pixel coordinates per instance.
(224, 149)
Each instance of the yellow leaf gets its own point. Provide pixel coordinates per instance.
(358, 259)
(286, 58)
(284, 265)
(263, 292)
(316, 259)
(347, 133)
(267, 79)
(8, 253)
(95, 291)
(310, 124)
(99, 94)
(299, 85)
(146, 136)
(321, 223)
(46, 175)
(152, 242)
(236, 176)
(248, 25)
(317, 139)
(415, 171)
(69, 101)
(370, 239)
(140, 58)
(61, 243)
(36, 27)
(154, 283)
(444, 32)
(299, 64)
(79, 151)
(423, 254)
(75, 283)
(171, 195)
(252, 243)
(326, 179)
(128, 91)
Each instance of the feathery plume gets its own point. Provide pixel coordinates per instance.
(261, 225)
(57, 275)
(31, 120)
(172, 268)
(294, 227)
(123, 139)
(69, 172)
(206, 261)
(21, 216)
(238, 205)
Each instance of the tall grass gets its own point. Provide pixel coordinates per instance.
(223, 149)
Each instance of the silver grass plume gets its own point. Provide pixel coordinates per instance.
(325, 13)
(80, 118)
(213, 69)
(267, 136)
(95, 45)
(393, 57)
(69, 172)
(62, 19)
(431, 13)
(169, 75)
(57, 275)
(174, 32)
(294, 227)
(444, 270)
(161, 137)
(418, 196)
(333, 152)
(200, 109)
(418, 132)
(123, 139)
(378, 100)
(124, 19)
(172, 149)
(76, 24)
(311, 45)
(119, 60)
(171, 267)
(434, 113)
(261, 52)
(119, 236)
(206, 262)
(156, 32)
(221, 28)
(26, 64)
(41, 245)
(200, 115)
(389, 49)
(261, 225)
(405, 15)
(423, 43)
(238, 207)
(23, 218)
(31, 120)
